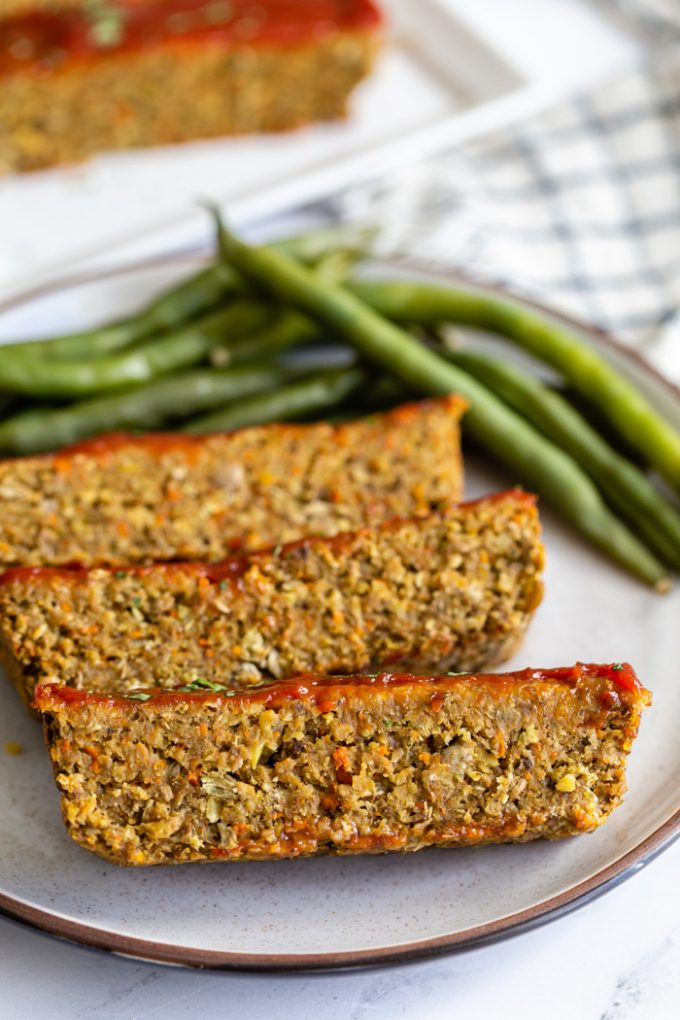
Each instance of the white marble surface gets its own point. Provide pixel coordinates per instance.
(617, 958)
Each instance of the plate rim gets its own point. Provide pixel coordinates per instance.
(510, 925)
(518, 923)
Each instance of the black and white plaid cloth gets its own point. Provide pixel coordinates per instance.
(579, 206)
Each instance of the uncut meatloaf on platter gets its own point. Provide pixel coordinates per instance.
(78, 77)
(362, 764)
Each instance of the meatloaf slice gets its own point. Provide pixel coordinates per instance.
(453, 590)
(130, 499)
(81, 78)
(362, 764)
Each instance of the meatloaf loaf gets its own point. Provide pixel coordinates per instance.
(115, 74)
(362, 764)
(129, 499)
(452, 590)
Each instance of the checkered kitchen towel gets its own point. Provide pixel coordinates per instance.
(579, 206)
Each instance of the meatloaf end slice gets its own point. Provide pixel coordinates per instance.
(363, 764)
(131, 499)
(453, 590)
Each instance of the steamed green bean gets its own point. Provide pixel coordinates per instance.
(584, 368)
(535, 460)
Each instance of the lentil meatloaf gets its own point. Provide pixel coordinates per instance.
(78, 78)
(362, 764)
(130, 499)
(453, 590)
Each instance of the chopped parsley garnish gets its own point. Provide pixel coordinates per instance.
(139, 697)
(107, 23)
(120, 573)
(201, 684)
(617, 666)
(136, 600)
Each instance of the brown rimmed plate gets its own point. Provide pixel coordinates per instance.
(349, 912)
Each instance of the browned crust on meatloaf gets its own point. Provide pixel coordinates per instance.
(359, 765)
(130, 499)
(184, 87)
(452, 590)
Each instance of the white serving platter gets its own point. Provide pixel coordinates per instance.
(341, 912)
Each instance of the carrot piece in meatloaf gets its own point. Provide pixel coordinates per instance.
(362, 764)
(456, 590)
(131, 499)
(78, 78)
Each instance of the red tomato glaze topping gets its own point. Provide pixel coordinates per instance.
(46, 40)
(326, 691)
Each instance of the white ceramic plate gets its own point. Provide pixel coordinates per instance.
(331, 912)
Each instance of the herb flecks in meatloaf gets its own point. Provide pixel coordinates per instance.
(78, 79)
(129, 499)
(362, 764)
(453, 590)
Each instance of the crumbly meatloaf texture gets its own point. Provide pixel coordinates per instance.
(358, 765)
(184, 88)
(127, 499)
(454, 590)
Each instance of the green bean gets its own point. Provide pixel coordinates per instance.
(154, 358)
(625, 487)
(6, 401)
(317, 392)
(289, 329)
(598, 421)
(145, 407)
(171, 309)
(534, 459)
(314, 246)
(190, 297)
(626, 407)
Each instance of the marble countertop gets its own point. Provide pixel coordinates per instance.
(618, 958)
